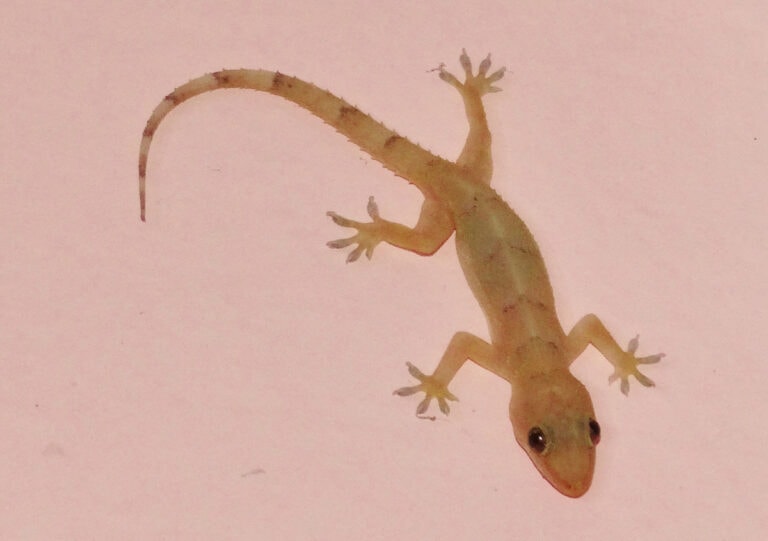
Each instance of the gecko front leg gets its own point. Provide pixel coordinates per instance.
(462, 348)
(590, 330)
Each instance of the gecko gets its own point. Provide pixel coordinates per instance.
(550, 410)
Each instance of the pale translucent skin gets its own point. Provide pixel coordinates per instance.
(500, 259)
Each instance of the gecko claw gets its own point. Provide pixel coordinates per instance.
(432, 388)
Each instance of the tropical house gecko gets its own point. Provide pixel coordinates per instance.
(550, 410)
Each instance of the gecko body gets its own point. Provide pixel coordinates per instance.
(550, 410)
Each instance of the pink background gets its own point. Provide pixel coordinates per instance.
(218, 373)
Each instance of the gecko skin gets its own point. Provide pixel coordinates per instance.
(550, 410)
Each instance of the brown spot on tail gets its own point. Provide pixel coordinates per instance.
(221, 77)
(348, 115)
(173, 98)
(149, 131)
(391, 141)
(142, 166)
(348, 111)
(280, 81)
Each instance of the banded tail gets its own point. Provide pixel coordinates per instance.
(396, 153)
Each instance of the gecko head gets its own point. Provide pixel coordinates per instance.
(554, 422)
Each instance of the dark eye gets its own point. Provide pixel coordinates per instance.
(537, 440)
(594, 432)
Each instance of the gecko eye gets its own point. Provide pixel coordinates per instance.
(537, 440)
(594, 432)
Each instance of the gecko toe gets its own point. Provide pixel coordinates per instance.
(340, 243)
(407, 391)
(644, 380)
(423, 405)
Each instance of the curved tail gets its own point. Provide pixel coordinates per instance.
(396, 153)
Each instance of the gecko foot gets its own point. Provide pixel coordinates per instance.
(431, 388)
(627, 366)
(368, 234)
(480, 83)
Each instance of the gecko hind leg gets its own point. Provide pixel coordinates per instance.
(475, 157)
(434, 227)
(481, 84)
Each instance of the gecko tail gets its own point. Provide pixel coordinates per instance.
(195, 87)
(396, 153)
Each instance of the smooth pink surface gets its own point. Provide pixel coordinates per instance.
(218, 373)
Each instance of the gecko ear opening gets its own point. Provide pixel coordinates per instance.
(594, 431)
